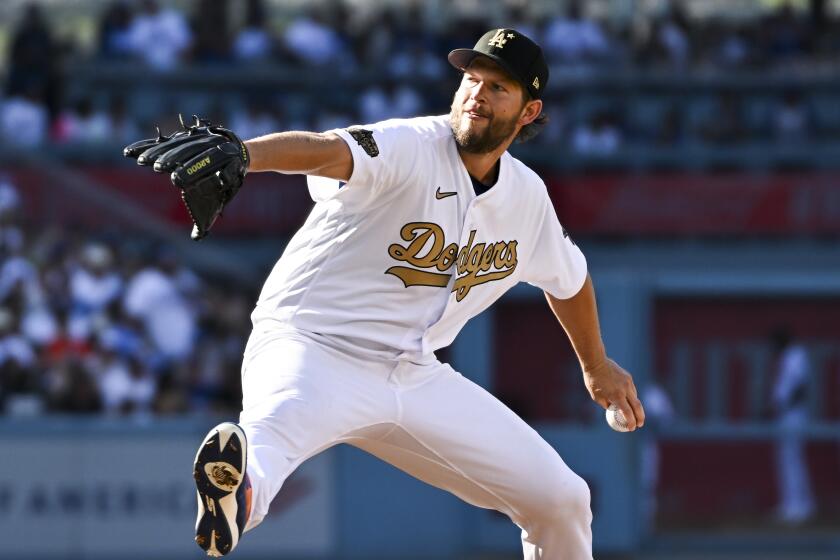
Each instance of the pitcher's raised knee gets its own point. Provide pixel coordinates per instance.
(566, 496)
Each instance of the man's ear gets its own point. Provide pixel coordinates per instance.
(530, 111)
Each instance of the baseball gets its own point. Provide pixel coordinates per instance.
(616, 420)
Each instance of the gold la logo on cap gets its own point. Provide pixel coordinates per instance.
(500, 38)
(536, 82)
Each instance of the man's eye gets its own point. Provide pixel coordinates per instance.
(498, 87)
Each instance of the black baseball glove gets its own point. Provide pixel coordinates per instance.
(207, 163)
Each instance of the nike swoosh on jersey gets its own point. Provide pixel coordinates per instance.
(440, 195)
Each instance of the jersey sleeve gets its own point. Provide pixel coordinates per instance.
(557, 265)
(384, 157)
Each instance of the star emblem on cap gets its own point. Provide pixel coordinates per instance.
(511, 35)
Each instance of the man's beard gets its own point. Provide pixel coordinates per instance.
(473, 141)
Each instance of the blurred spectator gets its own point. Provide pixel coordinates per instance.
(125, 385)
(54, 282)
(374, 40)
(94, 285)
(786, 35)
(312, 40)
(9, 205)
(158, 36)
(219, 351)
(389, 100)
(416, 63)
(790, 403)
(171, 396)
(659, 411)
(24, 120)
(33, 63)
(9, 208)
(727, 123)
(254, 41)
(117, 332)
(14, 348)
(295, 112)
(556, 129)
(71, 388)
(672, 36)
(600, 136)
(124, 128)
(39, 324)
(330, 119)
(64, 346)
(211, 32)
(791, 120)
(115, 30)
(83, 123)
(67, 344)
(522, 19)
(735, 49)
(158, 295)
(18, 276)
(19, 385)
(575, 38)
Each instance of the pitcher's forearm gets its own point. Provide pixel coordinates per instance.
(309, 153)
(579, 317)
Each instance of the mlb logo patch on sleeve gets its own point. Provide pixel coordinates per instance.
(365, 139)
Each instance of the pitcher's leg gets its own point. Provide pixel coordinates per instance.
(300, 398)
(457, 436)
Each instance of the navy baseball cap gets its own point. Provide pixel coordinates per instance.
(518, 55)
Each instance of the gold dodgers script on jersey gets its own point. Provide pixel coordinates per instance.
(474, 262)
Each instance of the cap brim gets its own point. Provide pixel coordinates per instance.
(461, 58)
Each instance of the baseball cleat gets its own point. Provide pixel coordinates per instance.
(221, 484)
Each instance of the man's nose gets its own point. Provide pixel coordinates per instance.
(478, 90)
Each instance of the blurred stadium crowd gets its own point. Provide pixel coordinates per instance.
(93, 325)
(406, 46)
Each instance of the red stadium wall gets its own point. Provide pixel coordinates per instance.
(274, 204)
(684, 203)
(599, 204)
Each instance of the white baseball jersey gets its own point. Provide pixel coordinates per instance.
(395, 261)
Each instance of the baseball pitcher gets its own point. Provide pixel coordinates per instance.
(418, 225)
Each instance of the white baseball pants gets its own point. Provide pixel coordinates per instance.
(793, 481)
(301, 396)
